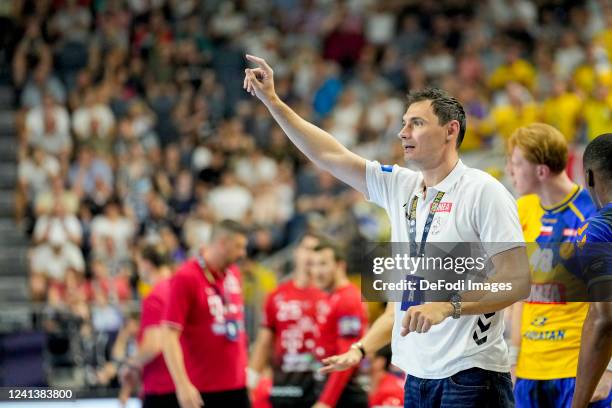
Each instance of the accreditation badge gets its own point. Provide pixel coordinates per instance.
(412, 297)
(231, 330)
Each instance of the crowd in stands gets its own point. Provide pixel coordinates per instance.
(134, 127)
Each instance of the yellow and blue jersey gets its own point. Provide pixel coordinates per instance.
(551, 326)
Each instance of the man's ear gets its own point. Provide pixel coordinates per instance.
(542, 170)
(590, 178)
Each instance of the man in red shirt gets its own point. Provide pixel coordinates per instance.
(289, 331)
(205, 345)
(157, 385)
(387, 386)
(342, 325)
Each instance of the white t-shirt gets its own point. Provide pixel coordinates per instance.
(35, 126)
(38, 177)
(54, 265)
(69, 224)
(82, 121)
(121, 231)
(479, 209)
(230, 202)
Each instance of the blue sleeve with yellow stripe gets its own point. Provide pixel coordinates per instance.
(594, 250)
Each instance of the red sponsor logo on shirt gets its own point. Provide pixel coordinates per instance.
(546, 230)
(444, 207)
(569, 232)
(548, 293)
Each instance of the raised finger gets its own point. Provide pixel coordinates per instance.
(259, 61)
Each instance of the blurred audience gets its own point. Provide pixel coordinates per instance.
(133, 125)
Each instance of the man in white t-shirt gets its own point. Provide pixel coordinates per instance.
(453, 352)
(50, 262)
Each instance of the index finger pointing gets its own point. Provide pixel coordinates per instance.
(259, 61)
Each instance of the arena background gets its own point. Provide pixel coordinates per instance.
(125, 121)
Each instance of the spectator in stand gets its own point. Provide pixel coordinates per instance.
(94, 122)
(230, 200)
(50, 261)
(106, 287)
(48, 127)
(34, 176)
(42, 82)
(59, 219)
(112, 234)
(88, 171)
(197, 228)
(58, 193)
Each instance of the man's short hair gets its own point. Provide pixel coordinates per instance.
(325, 243)
(155, 255)
(444, 106)
(310, 233)
(597, 155)
(541, 144)
(385, 352)
(228, 227)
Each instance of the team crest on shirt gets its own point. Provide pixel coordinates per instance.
(349, 326)
(438, 223)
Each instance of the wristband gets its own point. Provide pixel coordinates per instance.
(252, 378)
(513, 353)
(359, 347)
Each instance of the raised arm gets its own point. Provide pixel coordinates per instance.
(318, 145)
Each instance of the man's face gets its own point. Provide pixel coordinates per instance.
(523, 173)
(423, 138)
(324, 269)
(304, 252)
(234, 246)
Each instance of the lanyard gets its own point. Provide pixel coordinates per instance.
(211, 279)
(232, 326)
(412, 223)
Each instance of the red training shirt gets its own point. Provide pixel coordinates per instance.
(291, 313)
(211, 317)
(156, 378)
(343, 324)
(388, 393)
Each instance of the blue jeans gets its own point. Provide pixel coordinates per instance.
(472, 388)
(550, 394)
